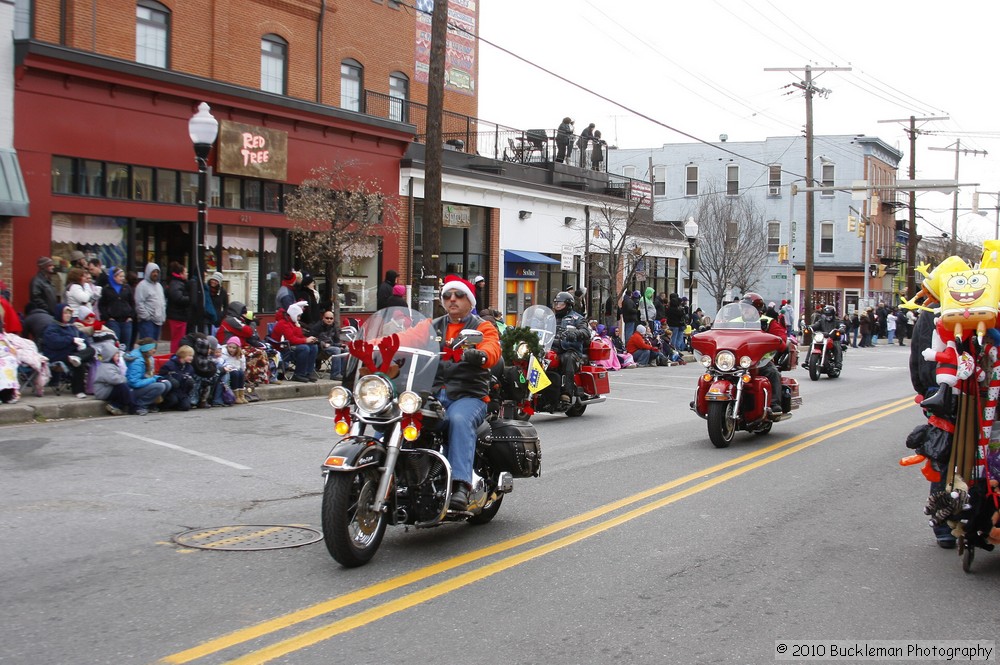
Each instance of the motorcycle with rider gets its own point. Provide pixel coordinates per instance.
(826, 350)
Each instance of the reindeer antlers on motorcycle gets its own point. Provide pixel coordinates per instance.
(388, 347)
(365, 352)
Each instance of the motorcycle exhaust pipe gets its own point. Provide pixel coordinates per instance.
(401, 515)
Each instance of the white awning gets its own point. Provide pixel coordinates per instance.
(244, 238)
(87, 230)
(362, 250)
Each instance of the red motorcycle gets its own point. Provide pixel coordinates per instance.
(590, 382)
(822, 359)
(732, 394)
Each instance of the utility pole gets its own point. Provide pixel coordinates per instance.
(806, 86)
(911, 243)
(433, 211)
(954, 210)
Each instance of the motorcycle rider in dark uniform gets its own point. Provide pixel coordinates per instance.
(827, 323)
(769, 370)
(571, 342)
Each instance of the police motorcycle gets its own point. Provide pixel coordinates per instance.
(732, 395)
(389, 467)
(590, 382)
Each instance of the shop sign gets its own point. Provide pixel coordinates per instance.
(566, 262)
(456, 217)
(251, 151)
(521, 271)
(640, 192)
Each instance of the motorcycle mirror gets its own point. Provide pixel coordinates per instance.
(469, 336)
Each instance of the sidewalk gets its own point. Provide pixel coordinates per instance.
(53, 407)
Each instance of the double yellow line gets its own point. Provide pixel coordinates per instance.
(744, 463)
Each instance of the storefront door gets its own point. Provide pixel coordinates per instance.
(520, 296)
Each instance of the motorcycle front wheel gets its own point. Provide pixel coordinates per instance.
(352, 530)
(814, 367)
(721, 423)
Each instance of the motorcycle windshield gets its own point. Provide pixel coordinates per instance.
(737, 316)
(542, 321)
(401, 344)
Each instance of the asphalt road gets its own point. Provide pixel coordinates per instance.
(640, 542)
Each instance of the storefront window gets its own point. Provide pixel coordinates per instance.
(358, 283)
(166, 186)
(189, 188)
(251, 194)
(244, 258)
(91, 177)
(231, 195)
(101, 237)
(215, 190)
(272, 197)
(142, 183)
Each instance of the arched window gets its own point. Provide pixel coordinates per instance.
(399, 93)
(273, 64)
(152, 34)
(351, 81)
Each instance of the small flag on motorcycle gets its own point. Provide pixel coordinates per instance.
(537, 378)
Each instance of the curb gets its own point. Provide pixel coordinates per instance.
(41, 409)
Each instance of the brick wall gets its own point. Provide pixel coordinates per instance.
(220, 39)
(7, 253)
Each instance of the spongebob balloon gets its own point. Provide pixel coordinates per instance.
(933, 282)
(969, 300)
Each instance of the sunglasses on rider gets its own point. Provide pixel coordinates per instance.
(458, 295)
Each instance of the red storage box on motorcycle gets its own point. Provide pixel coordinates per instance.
(593, 380)
(599, 350)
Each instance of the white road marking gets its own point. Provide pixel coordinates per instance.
(182, 449)
(622, 399)
(301, 413)
(654, 385)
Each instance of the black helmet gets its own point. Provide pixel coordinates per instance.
(829, 312)
(564, 297)
(754, 300)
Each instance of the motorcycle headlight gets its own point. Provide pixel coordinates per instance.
(521, 351)
(745, 361)
(409, 402)
(339, 397)
(818, 336)
(703, 359)
(725, 360)
(373, 393)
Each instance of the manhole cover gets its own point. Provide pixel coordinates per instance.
(248, 537)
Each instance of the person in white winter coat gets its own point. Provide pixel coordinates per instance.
(150, 303)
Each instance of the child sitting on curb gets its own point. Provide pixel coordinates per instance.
(146, 386)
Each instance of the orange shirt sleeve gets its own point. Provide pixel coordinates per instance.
(490, 344)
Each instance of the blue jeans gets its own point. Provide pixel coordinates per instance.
(462, 417)
(677, 337)
(641, 356)
(146, 395)
(629, 329)
(148, 329)
(892, 336)
(123, 331)
(304, 357)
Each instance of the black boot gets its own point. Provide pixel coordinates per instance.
(939, 404)
(459, 497)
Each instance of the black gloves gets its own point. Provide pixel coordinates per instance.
(474, 357)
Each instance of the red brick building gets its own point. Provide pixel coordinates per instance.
(103, 93)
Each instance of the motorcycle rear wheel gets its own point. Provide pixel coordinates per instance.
(576, 410)
(721, 423)
(488, 512)
(352, 531)
(834, 372)
(814, 367)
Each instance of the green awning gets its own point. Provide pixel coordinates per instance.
(13, 196)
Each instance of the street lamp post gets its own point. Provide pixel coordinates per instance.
(691, 231)
(203, 129)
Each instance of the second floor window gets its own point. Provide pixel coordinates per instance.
(774, 180)
(692, 181)
(273, 64)
(826, 238)
(152, 33)
(659, 180)
(628, 171)
(773, 237)
(732, 180)
(828, 170)
(399, 93)
(350, 85)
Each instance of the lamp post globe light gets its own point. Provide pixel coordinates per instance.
(203, 129)
(691, 231)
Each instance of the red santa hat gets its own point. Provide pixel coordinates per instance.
(456, 283)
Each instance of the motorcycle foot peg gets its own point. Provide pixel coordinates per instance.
(506, 482)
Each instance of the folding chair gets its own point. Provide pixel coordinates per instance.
(285, 365)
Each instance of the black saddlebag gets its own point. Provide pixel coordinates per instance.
(514, 447)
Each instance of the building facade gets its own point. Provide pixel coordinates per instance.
(771, 172)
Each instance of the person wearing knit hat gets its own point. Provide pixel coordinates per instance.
(479, 284)
(398, 297)
(304, 348)
(77, 259)
(215, 295)
(42, 292)
(462, 382)
(286, 294)
(644, 353)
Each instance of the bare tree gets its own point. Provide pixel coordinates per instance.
(333, 211)
(732, 244)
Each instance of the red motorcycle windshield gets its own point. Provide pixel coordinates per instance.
(737, 316)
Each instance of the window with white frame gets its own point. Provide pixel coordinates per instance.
(732, 180)
(826, 238)
(774, 180)
(773, 237)
(399, 93)
(659, 180)
(152, 34)
(692, 180)
(351, 79)
(628, 171)
(828, 173)
(273, 64)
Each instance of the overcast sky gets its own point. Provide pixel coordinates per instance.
(698, 67)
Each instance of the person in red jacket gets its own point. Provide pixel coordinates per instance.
(304, 347)
(644, 353)
(769, 325)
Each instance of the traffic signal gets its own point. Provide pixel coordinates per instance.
(873, 270)
(851, 223)
(861, 228)
(783, 253)
(975, 202)
(881, 270)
